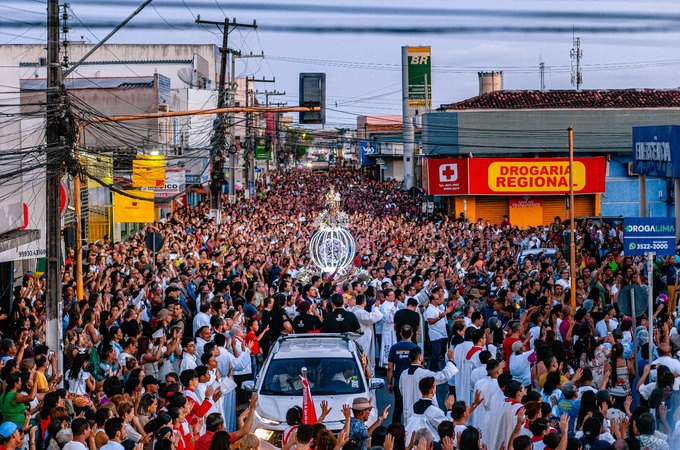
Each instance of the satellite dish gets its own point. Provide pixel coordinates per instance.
(186, 75)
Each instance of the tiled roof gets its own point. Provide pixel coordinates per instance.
(615, 98)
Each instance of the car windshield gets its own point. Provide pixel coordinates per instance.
(327, 376)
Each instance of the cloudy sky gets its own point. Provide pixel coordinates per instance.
(625, 44)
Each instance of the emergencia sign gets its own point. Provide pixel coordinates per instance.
(656, 151)
(649, 234)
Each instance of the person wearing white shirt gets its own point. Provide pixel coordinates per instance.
(410, 378)
(202, 319)
(606, 325)
(81, 434)
(667, 360)
(564, 280)
(435, 314)
(520, 368)
(115, 430)
(188, 356)
(426, 414)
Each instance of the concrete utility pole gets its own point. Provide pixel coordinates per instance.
(218, 140)
(250, 136)
(233, 148)
(55, 158)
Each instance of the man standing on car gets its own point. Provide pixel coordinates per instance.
(340, 320)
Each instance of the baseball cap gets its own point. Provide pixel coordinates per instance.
(7, 429)
(361, 403)
(148, 380)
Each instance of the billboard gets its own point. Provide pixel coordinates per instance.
(175, 183)
(649, 234)
(656, 151)
(419, 73)
(512, 176)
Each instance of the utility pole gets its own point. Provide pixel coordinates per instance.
(541, 69)
(250, 136)
(218, 140)
(53, 330)
(233, 148)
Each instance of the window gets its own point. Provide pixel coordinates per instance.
(326, 376)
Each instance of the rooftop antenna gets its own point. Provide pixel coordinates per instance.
(576, 55)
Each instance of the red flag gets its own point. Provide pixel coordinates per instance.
(308, 410)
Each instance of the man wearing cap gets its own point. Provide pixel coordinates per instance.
(358, 432)
(11, 435)
(150, 384)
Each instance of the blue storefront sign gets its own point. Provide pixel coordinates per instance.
(649, 234)
(364, 150)
(656, 151)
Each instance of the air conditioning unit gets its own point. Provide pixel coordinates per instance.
(631, 172)
(163, 108)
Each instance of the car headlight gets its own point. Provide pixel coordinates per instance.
(264, 420)
(265, 435)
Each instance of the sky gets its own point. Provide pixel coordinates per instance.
(625, 44)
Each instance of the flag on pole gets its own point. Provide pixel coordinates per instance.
(308, 410)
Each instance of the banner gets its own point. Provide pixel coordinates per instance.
(649, 234)
(133, 210)
(419, 69)
(308, 410)
(263, 149)
(148, 171)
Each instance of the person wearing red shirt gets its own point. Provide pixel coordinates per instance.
(214, 423)
(516, 330)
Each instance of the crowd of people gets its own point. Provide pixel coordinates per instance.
(478, 350)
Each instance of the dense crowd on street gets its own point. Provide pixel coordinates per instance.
(478, 350)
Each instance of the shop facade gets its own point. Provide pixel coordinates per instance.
(530, 191)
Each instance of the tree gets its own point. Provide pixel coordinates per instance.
(297, 141)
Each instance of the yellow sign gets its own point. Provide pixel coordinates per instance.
(527, 176)
(100, 166)
(133, 210)
(148, 171)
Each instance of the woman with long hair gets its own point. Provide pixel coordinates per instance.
(220, 441)
(621, 373)
(595, 357)
(79, 383)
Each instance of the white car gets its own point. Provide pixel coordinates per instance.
(334, 372)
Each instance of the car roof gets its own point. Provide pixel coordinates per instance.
(535, 251)
(315, 345)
